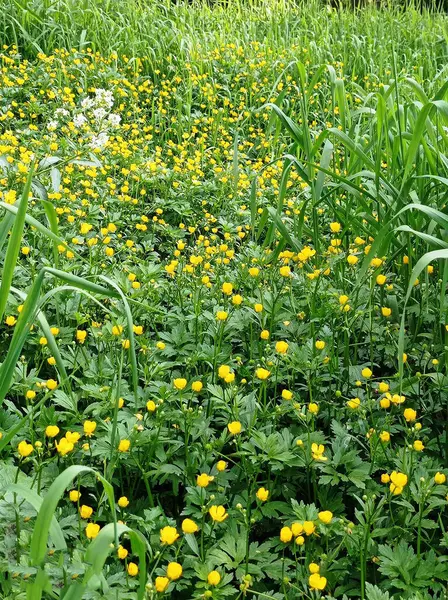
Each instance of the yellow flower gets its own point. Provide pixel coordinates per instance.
(439, 478)
(354, 403)
(89, 428)
(227, 288)
(92, 530)
(335, 227)
(151, 406)
(262, 494)
(317, 582)
(366, 373)
(285, 271)
(264, 334)
(385, 436)
(85, 511)
(11, 321)
(386, 312)
(122, 552)
(343, 299)
(313, 408)
(124, 445)
(254, 271)
(418, 446)
(203, 480)
(385, 478)
(189, 526)
(258, 308)
(383, 387)
(317, 451)
(160, 346)
(297, 529)
(24, 449)
(320, 345)
(132, 569)
(197, 386)
(64, 446)
(286, 394)
(352, 259)
(300, 540)
(123, 502)
(168, 535)
(381, 279)
(72, 436)
(180, 383)
(51, 384)
(74, 495)
(237, 300)
(161, 584)
(52, 431)
(325, 516)
(221, 465)
(309, 528)
(262, 373)
(410, 414)
(285, 534)
(281, 348)
(81, 335)
(174, 571)
(398, 482)
(213, 578)
(313, 568)
(223, 371)
(117, 330)
(218, 513)
(221, 315)
(234, 427)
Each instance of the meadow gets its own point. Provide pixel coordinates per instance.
(223, 312)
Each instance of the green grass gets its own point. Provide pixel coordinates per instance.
(223, 257)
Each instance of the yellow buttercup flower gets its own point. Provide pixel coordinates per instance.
(180, 383)
(89, 428)
(24, 449)
(234, 427)
(124, 446)
(281, 348)
(52, 431)
(174, 571)
(213, 578)
(218, 513)
(85, 511)
(317, 582)
(262, 494)
(203, 480)
(325, 516)
(168, 535)
(262, 373)
(161, 584)
(92, 530)
(285, 534)
(189, 526)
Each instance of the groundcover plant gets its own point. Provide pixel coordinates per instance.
(223, 319)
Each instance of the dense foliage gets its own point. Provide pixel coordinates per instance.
(224, 331)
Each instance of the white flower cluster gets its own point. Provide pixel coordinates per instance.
(95, 111)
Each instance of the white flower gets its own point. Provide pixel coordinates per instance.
(79, 120)
(99, 141)
(87, 103)
(99, 113)
(114, 119)
(61, 112)
(52, 125)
